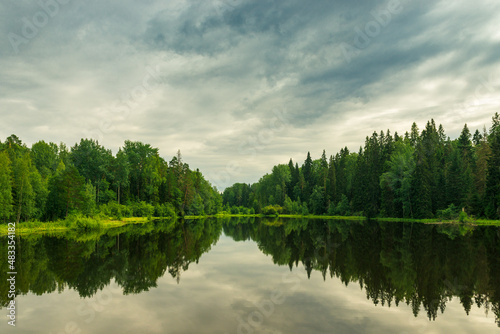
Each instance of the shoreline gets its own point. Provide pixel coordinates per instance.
(27, 228)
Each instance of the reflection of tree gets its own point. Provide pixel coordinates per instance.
(423, 266)
(135, 258)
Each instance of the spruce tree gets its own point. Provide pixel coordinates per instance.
(493, 178)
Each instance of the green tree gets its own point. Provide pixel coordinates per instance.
(40, 191)
(414, 135)
(317, 201)
(44, 157)
(398, 178)
(331, 185)
(425, 185)
(483, 153)
(307, 172)
(493, 178)
(24, 198)
(281, 176)
(67, 192)
(93, 162)
(196, 208)
(5, 187)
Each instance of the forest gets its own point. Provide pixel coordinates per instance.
(48, 182)
(421, 174)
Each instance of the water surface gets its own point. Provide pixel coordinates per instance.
(254, 276)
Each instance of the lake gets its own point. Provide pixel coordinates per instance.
(251, 275)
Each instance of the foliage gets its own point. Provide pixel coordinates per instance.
(83, 223)
(50, 182)
(463, 217)
(5, 187)
(418, 175)
(142, 209)
(115, 210)
(449, 213)
(272, 210)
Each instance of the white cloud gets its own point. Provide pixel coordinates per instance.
(226, 65)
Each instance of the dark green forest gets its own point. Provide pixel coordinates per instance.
(421, 174)
(49, 182)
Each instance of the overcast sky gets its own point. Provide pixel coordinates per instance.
(241, 85)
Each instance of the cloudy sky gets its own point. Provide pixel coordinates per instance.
(241, 85)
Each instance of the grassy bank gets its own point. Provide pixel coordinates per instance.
(85, 224)
(470, 221)
(82, 224)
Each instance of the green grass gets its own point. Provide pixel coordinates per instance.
(77, 224)
(471, 221)
(83, 225)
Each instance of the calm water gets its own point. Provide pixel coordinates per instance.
(253, 276)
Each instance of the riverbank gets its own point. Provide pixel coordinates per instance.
(76, 224)
(84, 224)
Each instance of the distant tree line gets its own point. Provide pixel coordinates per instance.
(50, 181)
(422, 174)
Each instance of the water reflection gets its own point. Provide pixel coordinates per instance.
(134, 256)
(423, 266)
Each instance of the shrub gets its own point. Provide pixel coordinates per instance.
(164, 210)
(462, 217)
(450, 213)
(115, 210)
(82, 223)
(143, 209)
(272, 210)
(343, 207)
(305, 210)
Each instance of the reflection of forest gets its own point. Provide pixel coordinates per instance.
(135, 256)
(421, 265)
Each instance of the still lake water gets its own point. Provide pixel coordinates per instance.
(253, 276)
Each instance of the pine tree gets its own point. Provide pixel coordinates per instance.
(425, 194)
(414, 135)
(307, 171)
(331, 186)
(483, 153)
(477, 138)
(493, 178)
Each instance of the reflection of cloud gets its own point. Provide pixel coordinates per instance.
(225, 284)
(227, 63)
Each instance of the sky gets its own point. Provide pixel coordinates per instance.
(242, 85)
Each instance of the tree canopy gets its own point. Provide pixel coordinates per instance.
(50, 181)
(417, 175)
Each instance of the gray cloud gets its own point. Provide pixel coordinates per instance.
(206, 77)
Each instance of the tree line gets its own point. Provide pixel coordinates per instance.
(421, 174)
(49, 182)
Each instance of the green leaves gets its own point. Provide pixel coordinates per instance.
(5, 187)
